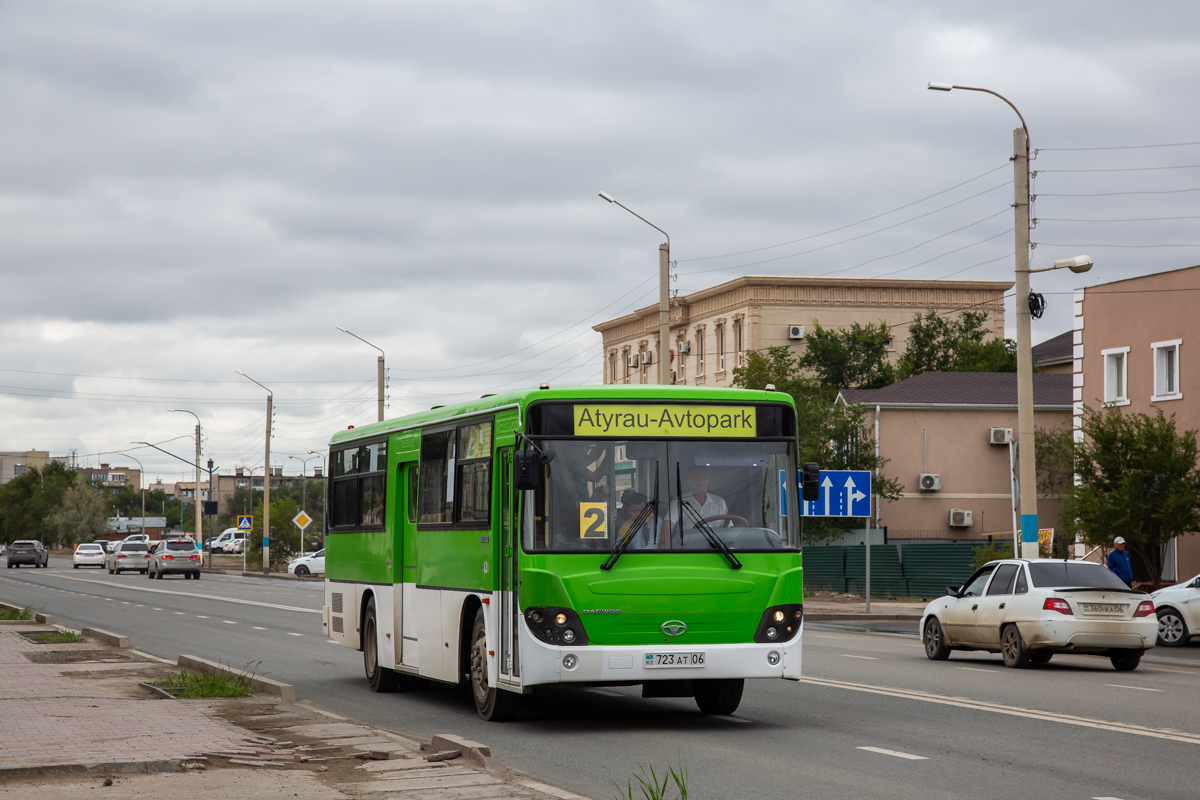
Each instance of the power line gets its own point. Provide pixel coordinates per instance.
(1123, 246)
(1133, 219)
(1123, 147)
(868, 219)
(1113, 194)
(1121, 169)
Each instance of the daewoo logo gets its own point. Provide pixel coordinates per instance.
(673, 627)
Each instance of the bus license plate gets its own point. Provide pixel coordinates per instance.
(674, 660)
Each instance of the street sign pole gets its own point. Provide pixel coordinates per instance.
(867, 538)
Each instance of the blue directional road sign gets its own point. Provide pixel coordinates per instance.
(844, 493)
(245, 522)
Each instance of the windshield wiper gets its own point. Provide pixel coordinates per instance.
(713, 538)
(623, 543)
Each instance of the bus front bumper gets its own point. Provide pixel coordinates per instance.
(547, 664)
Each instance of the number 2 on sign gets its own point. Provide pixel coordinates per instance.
(593, 520)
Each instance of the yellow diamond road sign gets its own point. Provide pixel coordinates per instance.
(302, 520)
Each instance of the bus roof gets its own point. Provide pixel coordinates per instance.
(523, 397)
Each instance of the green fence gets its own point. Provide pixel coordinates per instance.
(897, 570)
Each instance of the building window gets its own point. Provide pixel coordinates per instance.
(738, 344)
(720, 348)
(699, 352)
(1116, 376)
(242, 483)
(612, 367)
(1166, 370)
(18, 470)
(682, 361)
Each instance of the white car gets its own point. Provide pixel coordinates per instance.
(1028, 610)
(88, 555)
(230, 540)
(1178, 609)
(308, 565)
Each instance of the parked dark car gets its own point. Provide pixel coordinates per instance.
(28, 551)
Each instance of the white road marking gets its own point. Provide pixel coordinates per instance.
(1014, 711)
(825, 636)
(229, 622)
(1139, 688)
(295, 634)
(977, 669)
(729, 718)
(158, 609)
(258, 628)
(178, 612)
(1106, 798)
(895, 753)
(201, 616)
(193, 594)
(865, 658)
(126, 602)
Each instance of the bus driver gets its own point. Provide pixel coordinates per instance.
(703, 502)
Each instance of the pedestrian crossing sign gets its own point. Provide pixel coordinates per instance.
(245, 522)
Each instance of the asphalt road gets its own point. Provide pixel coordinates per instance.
(873, 718)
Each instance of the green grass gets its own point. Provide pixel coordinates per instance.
(59, 637)
(204, 684)
(16, 613)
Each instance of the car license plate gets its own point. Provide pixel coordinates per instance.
(657, 660)
(1104, 609)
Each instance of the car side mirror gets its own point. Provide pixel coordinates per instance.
(954, 591)
(810, 482)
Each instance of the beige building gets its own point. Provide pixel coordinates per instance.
(1135, 344)
(223, 486)
(112, 479)
(14, 464)
(713, 329)
(944, 435)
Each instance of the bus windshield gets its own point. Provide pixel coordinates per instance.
(593, 491)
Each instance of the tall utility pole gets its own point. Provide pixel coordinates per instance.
(379, 370)
(1026, 448)
(199, 535)
(266, 567)
(664, 296)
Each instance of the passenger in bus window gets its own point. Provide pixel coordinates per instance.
(632, 504)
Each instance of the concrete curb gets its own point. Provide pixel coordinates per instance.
(284, 691)
(114, 639)
(106, 768)
(43, 619)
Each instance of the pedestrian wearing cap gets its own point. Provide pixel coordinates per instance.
(1118, 562)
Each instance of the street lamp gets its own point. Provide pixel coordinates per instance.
(266, 565)
(141, 481)
(303, 492)
(664, 295)
(1025, 438)
(199, 536)
(378, 364)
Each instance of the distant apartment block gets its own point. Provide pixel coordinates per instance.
(15, 464)
(712, 330)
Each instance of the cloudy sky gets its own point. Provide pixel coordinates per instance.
(192, 188)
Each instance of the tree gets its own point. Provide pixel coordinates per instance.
(81, 516)
(938, 343)
(27, 500)
(834, 435)
(1137, 478)
(850, 358)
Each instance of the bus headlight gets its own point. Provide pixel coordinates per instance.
(567, 628)
(780, 623)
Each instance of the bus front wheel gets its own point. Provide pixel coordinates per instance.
(493, 704)
(719, 696)
(379, 677)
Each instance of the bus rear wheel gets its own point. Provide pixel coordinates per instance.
(493, 704)
(380, 678)
(720, 696)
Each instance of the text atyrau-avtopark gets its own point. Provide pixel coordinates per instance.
(664, 420)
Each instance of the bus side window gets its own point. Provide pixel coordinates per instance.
(412, 492)
(436, 500)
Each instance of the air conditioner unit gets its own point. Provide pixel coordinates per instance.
(959, 518)
(632, 361)
(685, 348)
(647, 357)
(1000, 436)
(930, 482)
(795, 332)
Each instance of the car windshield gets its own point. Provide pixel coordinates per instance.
(1068, 575)
(593, 493)
(181, 545)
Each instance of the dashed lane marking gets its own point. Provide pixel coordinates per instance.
(864, 658)
(977, 669)
(201, 616)
(894, 753)
(1138, 688)
(229, 622)
(257, 628)
(294, 634)
(190, 594)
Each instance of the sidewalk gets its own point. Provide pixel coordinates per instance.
(73, 717)
(828, 610)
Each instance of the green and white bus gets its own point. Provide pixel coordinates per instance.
(597, 535)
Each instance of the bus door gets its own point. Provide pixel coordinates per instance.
(404, 557)
(510, 663)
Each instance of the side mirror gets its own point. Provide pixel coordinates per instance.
(954, 591)
(526, 465)
(810, 482)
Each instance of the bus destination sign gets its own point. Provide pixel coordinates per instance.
(661, 420)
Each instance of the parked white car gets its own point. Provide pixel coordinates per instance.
(308, 565)
(1028, 610)
(1178, 610)
(230, 540)
(88, 555)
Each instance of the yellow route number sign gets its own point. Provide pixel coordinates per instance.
(593, 520)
